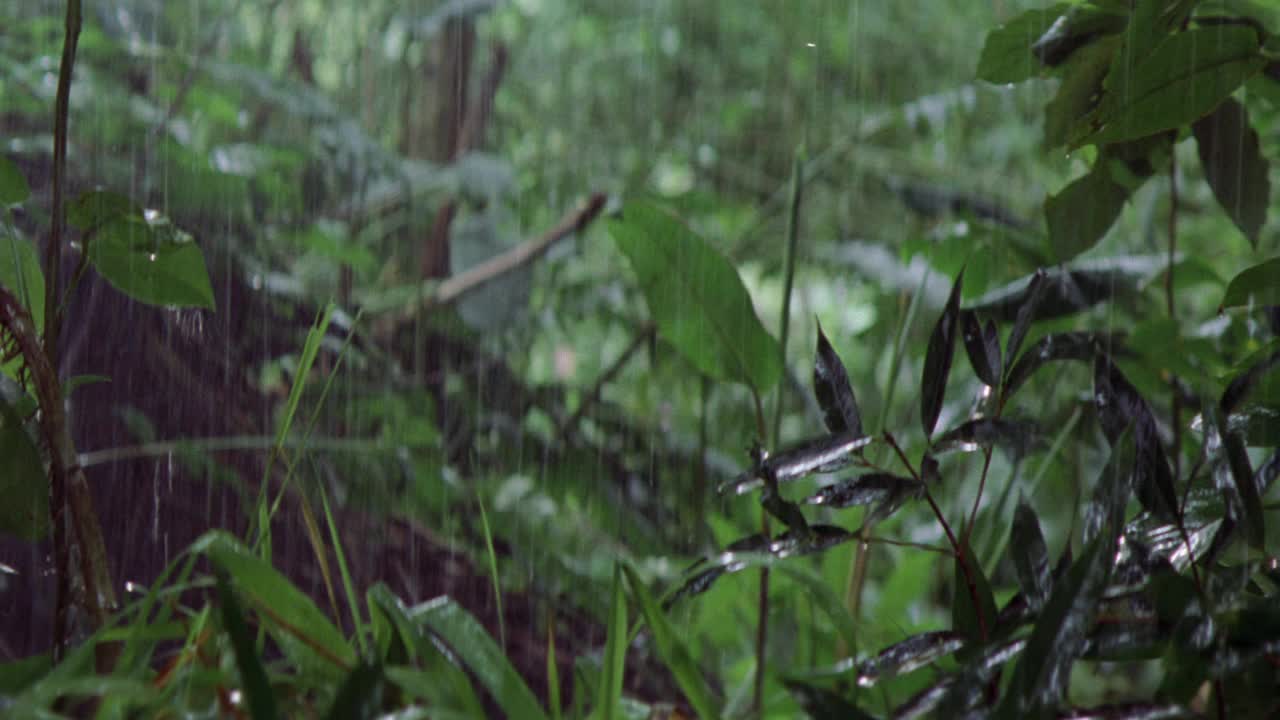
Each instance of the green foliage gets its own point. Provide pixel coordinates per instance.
(23, 484)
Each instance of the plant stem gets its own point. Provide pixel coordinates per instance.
(762, 603)
(57, 224)
(793, 241)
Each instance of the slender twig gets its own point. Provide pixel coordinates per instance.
(762, 601)
(57, 224)
(593, 395)
(793, 242)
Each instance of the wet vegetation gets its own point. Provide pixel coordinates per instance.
(549, 359)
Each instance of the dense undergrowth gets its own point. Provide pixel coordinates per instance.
(832, 514)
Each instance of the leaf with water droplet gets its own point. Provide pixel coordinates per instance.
(827, 453)
(887, 491)
(13, 184)
(982, 345)
(832, 389)
(151, 263)
(1006, 54)
(937, 359)
(1119, 405)
(907, 655)
(1017, 437)
(1030, 555)
(974, 621)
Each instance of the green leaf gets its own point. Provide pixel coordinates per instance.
(1030, 555)
(978, 621)
(1006, 54)
(472, 644)
(1184, 78)
(696, 298)
(13, 184)
(151, 262)
(1234, 167)
(673, 650)
(1077, 94)
(257, 689)
(284, 609)
(937, 359)
(1260, 282)
(609, 691)
(96, 208)
(360, 696)
(20, 273)
(1082, 212)
(23, 483)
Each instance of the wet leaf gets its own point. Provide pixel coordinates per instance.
(1186, 77)
(1030, 555)
(696, 298)
(831, 388)
(973, 607)
(95, 208)
(1040, 679)
(360, 696)
(1234, 167)
(1077, 27)
(757, 551)
(672, 649)
(1017, 437)
(1081, 213)
(1006, 54)
(823, 704)
(24, 486)
(886, 489)
(1246, 490)
(257, 689)
(1124, 642)
(961, 691)
(1080, 346)
(1241, 385)
(20, 272)
(151, 262)
(785, 510)
(982, 344)
(1080, 286)
(827, 453)
(1112, 489)
(1036, 289)
(1259, 283)
(13, 184)
(609, 691)
(937, 359)
(1079, 90)
(908, 655)
(1120, 405)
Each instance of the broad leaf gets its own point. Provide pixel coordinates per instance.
(152, 262)
(1017, 437)
(1260, 283)
(1234, 166)
(20, 272)
(1078, 91)
(1030, 555)
(1243, 384)
(888, 492)
(609, 691)
(1080, 346)
(360, 695)
(937, 359)
(973, 607)
(832, 390)
(96, 208)
(13, 184)
(24, 486)
(1182, 80)
(1078, 287)
(1075, 28)
(1082, 212)
(982, 345)
(696, 298)
(1006, 54)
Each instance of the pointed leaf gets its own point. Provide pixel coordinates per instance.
(1017, 437)
(1079, 90)
(831, 388)
(1187, 76)
(253, 678)
(1261, 283)
(1080, 286)
(823, 704)
(983, 348)
(974, 621)
(20, 272)
(1075, 28)
(1240, 386)
(673, 651)
(1037, 288)
(1234, 166)
(696, 298)
(1006, 54)
(1112, 490)
(609, 691)
(151, 262)
(1080, 346)
(24, 513)
(1030, 555)
(360, 696)
(865, 490)
(1082, 212)
(827, 453)
(13, 184)
(908, 655)
(1120, 405)
(937, 359)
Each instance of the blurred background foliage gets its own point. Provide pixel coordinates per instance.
(306, 145)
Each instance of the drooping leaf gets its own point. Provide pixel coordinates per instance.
(609, 691)
(1182, 80)
(1030, 555)
(152, 262)
(13, 184)
(887, 491)
(973, 607)
(1245, 491)
(1079, 346)
(1078, 92)
(962, 691)
(832, 390)
(1120, 405)
(823, 704)
(673, 651)
(1037, 288)
(1241, 385)
(827, 453)
(1234, 166)
(982, 344)
(1073, 29)
(696, 298)
(1261, 283)
(24, 513)
(257, 689)
(937, 359)
(96, 208)
(784, 510)
(1006, 54)
(20, 272)
(1113, 487)
(360, 695)
(1078, 287)
(1082, 212)
(1017, 437)
(911, 654)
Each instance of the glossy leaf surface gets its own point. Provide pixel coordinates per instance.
(1030, 555)
(1006, 54)
(832, 389)
(1234, 166)
(151, 262)
(937, 359)
(1120, 406)
(982, 344)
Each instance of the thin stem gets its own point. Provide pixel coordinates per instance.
(1175, 410)
(793, 241)
(762, 602)
(977, 499)
(57, 225)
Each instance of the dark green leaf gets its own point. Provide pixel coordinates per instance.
(1017, 437)
(1077, 27)
(1006, 54)
(1037, 288)
(96, 208)
(609, 692)
(20, 272)
(908, 655)
(1182, 80)
(831, 387)
(887, 491)
(758, 551)
(1234, 166)
(1082, 212)
(1078, 92)
(1080, 346)
(696, 298)
(1120, 405)
(1245, 490)
(674, 653)
(1030, 555)
(1113, 487)
(983, 348)
(257, 689)
(1240, 386)
(13, 184)
(1080, 286)
(823, 704)
(1125, 641)
(151, 262)
(360, 696)
(937, 359)
(973, 607)
(23, 483)
(1261, 283)
(823, 454)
